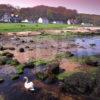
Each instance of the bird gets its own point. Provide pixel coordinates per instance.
(28, 85)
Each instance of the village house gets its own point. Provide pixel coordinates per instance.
(72, 21)
(6, 17)
(43, 21)
(25, 21)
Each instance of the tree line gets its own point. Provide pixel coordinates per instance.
(51, 13)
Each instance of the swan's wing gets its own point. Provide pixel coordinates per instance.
(31, 84)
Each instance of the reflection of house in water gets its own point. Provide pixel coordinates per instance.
(43, 20)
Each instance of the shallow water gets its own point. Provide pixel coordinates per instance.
(85, 48)
(14, 90)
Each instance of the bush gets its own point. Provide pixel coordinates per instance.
(79, 83)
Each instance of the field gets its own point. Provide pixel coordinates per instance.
(16, 27)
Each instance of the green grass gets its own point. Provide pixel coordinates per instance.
(17, 27)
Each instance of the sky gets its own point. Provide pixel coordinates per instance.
(82, 6)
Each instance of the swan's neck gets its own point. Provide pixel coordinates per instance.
(26, 80)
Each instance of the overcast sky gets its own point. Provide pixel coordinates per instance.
(83, 6)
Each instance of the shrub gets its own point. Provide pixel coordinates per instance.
(80, 82)
(41, 76)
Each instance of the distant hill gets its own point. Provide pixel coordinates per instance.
(90, 18)
(52, 13)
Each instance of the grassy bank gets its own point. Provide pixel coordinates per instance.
(17, 27)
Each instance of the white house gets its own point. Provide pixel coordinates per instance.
(40, 20)
(69, 22)
(54, 22)
(25, 21)
(43, 20)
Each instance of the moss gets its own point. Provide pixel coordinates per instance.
(3, 60)
(40, 62)
(90, 60)
(64, 55)
(20, 69)
(12, 62)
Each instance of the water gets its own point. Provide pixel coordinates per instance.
(14, 90)
(87, 46)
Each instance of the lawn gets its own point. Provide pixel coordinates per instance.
(17, 27)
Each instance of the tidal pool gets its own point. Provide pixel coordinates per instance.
(87, 46)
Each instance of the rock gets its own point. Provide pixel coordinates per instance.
(21, 50)
(23, 41)
(29, 65)
(51, 80)
(92, 45)
(31, 41)
(27, 47)
(53, 68)
(69, 54)
(7, 54)
(1, 80)
(11, 48)
(2, 48)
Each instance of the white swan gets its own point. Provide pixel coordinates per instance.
(28, 85)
